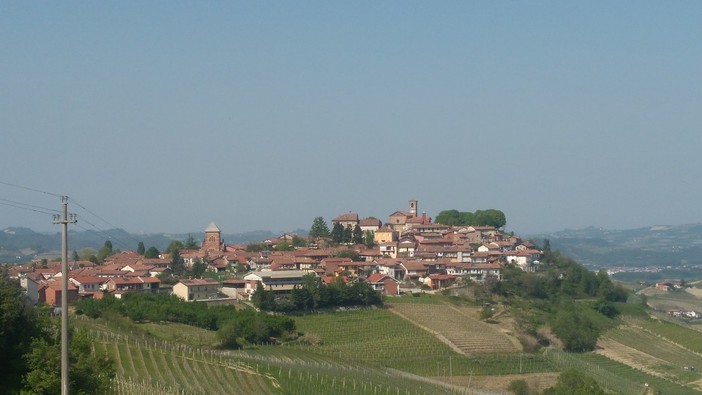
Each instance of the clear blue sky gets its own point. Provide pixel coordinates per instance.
(164, 116)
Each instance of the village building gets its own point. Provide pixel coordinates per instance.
(194, 289)
(384, 284)
(348, 220)
(279, 282)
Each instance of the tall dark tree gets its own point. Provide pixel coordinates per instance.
(75, 257)
(369, 238)
(319, 228)
(104, 251)
(357, 236)
(140, 248)
(337, 233)
(347, 235)
(177, 263)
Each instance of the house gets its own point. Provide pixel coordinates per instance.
(525, 259)
(388, 249)
(384, 284)
(280, 281)
(234, 288)
(477, 272)
(51, 291)
(31, 286)
(121, 285)
(197, 289)
(348, 220)
(437, 281)
(406, 247)
(88, 284)
(391, 267)
(385, 235)
(414, 269)
(370, 224)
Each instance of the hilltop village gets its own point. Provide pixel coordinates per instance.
(407, 253)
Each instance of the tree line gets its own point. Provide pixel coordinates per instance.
(314, 294)
(235, 328)
(489, 217)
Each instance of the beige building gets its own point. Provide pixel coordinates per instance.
(197, 289)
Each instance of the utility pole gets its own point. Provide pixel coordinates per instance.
(64, 219)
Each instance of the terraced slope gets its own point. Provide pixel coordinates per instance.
(650, 352)
(464, 333)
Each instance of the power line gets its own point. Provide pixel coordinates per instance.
(104, 233)
(30, 205)
(28, 208)
(29, 189)
(101, 219)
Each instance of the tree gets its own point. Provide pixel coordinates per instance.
(174, 245)
(448, 217)
(198, 268)
(347, 235)
(75, 257)
(151, 253)
(519, 387)
(104, 251)
(89, 373)
(86, 253)
(369, 238)
(572, 382)
(262, 299)
(298, 241)
(337, 233)
(140, 248)
(357, 236)
(283, 246)
(18, 324)
(575, 330)
(319, 228)
(190, 243)
(177, 263)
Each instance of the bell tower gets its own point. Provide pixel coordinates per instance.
(413, 207)
(213, 238)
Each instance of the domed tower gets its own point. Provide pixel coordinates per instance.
(213, 238)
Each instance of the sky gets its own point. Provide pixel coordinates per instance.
(163, 116)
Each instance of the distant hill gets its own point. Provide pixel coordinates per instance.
(642, 247)
(19, 244)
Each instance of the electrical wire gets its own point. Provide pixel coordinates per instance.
(29, 189)
(27, 208)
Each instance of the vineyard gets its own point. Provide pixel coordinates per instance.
(428, 347)
(469, 335)
(149, 366)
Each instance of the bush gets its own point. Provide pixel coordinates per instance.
(519, 387)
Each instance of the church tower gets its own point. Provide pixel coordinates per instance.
(413, 207)
(213, 238)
